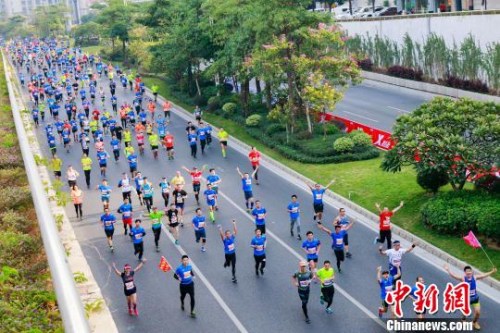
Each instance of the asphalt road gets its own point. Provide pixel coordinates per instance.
(378, 105)
(265, 304)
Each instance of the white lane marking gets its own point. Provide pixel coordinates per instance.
(360, 116)
(398, 109)
(369, 313)
(209, 286)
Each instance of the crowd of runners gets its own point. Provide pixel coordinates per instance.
(68, 90)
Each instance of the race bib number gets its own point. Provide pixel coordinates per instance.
(126, 214)
(318, 196)
(230, 247)
(328, 282)
(305, 283)
(187, 274)
(201, 225)
(259, 247)
(129, 285)
(138, 236)
(312, 250)
(339, 241)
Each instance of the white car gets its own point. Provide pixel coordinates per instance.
(361, 11)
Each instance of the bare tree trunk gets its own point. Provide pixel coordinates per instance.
(257, 86)
(267, 90)
(235, 82)
(245, 96)
(308, 117)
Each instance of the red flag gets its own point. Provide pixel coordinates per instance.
(471, 240)
(164, 265)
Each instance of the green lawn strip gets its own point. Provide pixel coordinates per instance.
(366, 184)
(27, 301)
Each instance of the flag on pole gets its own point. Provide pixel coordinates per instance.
(471, 240)
(164, 265)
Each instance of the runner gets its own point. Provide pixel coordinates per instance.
(211, 197)
(139, 136)
(108, 222)
(386, 283)
(413, 296)
(56, 164)
(184, 273)
(254, 157)
(293, 209)
(156, 224)
(77, 197)
(258, 244)
(259, 213)
(116, 146)
(167, 106)
(197, 114)
(168, 142)
(318, 192)
(137, 233)
(165, 190)
(199, 229)
(385, 224)
(396, 258)
(154, 142)
(178, 180)
(196, 176)
(173, 222)
(229, 248)
(202, 135)
(311, 246)
(326, 275)
(132, 162)
(148, 191)
(179, 197)
(302, 280)
(126, 210)
(102, 157)
(139, 180)
(470, 278)
(337, 241)
(126, 187)
(343, 220)
(246, 182)
(72, 175)
(105, 190)
(129, 286)
(193, 145)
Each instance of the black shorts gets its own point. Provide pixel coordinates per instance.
(103, 165)
(224, 143)
(346, 239)
(261, 227)
(315, 260)
(248, 195)
(179, 205)
(173, 225)
(154, 147)
(196, 188)
(57, 173)
(170, 148)
(139, 192)
(339, 254)
(130, 292)
(318, 208)
(109, 232)
(133, 169)
(304, 295)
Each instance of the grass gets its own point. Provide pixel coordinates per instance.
(27, 301)
(364, 183)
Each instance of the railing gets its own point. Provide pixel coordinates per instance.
(68, 299)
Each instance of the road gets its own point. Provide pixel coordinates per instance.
(266, 304)
(378, 105)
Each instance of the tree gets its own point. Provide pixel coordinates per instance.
(84, 33)
(432, 179)
(50, 20)
(457, 137)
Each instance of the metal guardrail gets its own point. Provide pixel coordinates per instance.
(68, 299)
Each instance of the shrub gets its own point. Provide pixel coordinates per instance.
(200, 100)
(304, 135)
(253, 120)
(275, 128)
(343, 145)
(431, 180)
(458, 212)
(13, 177)
(360, 138)
(14, 220)
(366, 64)
(213, 103)
(471, 85)
(13, 197)
(329, 128)
(229, 108)
(10, 158)
(405, 72)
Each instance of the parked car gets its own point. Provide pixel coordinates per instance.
(372, 13)
(388, 11)
(361, 11)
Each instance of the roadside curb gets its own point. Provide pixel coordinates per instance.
(101, 320)
(363, 215)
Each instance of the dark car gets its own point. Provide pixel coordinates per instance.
(387, 11)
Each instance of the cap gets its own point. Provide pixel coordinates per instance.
(127, 266)
(396, 242)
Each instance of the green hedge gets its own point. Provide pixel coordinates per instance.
(291, 150)
(456, 213)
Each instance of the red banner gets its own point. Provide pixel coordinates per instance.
(380, 139)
